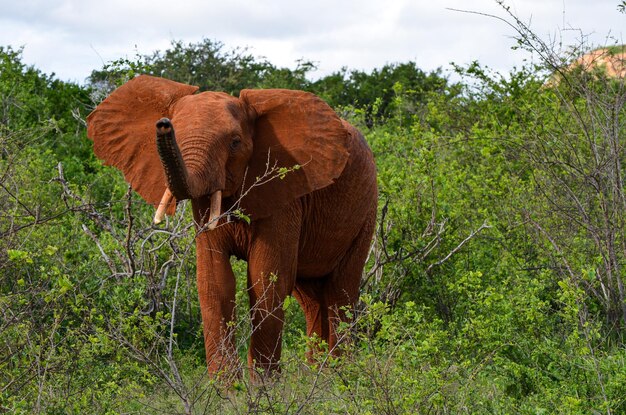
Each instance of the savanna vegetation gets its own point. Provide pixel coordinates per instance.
(495, 283)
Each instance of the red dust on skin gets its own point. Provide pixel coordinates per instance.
(310, 230)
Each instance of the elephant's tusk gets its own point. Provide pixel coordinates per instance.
(165, 201)
(216, 206)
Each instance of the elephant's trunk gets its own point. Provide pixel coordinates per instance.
(177, 175)
(172, 160)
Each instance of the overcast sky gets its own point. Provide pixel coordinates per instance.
(72, 37)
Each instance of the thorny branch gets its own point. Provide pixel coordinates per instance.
(272, 172)
(458, 247)
(432, 235)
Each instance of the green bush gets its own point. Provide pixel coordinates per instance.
(494, 283)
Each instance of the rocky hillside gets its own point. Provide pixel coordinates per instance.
(612, 60)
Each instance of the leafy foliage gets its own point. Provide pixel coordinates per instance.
(206, 64)
(495, 282)
(374, 93)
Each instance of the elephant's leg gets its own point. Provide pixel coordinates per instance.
(342, 288)
(310, 293)
(216, 292)
(272, 264)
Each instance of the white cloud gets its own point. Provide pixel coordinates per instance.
(73, 37)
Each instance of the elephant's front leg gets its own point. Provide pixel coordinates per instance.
(216, 292)
(272, 267)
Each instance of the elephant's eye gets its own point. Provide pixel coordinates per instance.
(235, 142)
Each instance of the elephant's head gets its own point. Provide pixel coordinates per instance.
(164, 137)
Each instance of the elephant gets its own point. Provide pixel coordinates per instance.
(303, 180)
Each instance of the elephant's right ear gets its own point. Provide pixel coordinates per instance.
(123, 131)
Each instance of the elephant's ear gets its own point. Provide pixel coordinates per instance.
(297, 131)
(123, 131)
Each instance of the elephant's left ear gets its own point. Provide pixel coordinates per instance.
(300, 145)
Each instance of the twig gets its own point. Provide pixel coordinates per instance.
(129, 228)
(94, 238)
(458, 247)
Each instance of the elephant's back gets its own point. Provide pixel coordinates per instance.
(334, 216)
